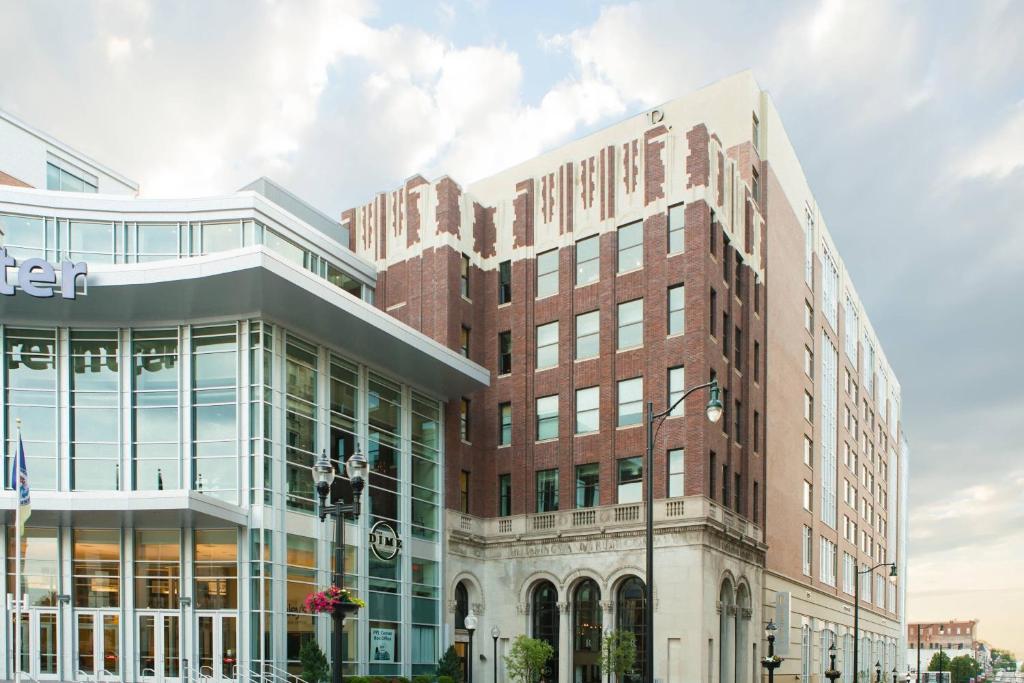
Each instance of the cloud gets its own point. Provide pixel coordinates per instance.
(999, 153)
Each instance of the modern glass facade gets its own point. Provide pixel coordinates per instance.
(232, 412)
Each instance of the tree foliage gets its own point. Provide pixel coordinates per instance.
(315, 667)
(527, 658)
(1003, 660)
(450, 665)
(618, 653)
(939, 662)
(964, 668)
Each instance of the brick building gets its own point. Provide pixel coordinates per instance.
(954, 638)
(680, 245)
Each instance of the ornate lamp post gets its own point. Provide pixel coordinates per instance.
(878, 672)
(713, 411)
(471, 622)
(323, 476)
(894, 674)
(856, 614)
(495, 634)
(772, 662)
(832, 673)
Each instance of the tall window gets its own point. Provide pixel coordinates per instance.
(829, 424)
(738, 349)
(588, 260)
(827, 562)
(631, 246)
(96, 567)
(505, 420)
(464, 491)
(425, 443)
(830, 289)
(631, 400)
(155, 395)
(676, 473)
(631, 324)
(676, 378)
(547, 273)
(95, 419)
(676, 228)
(464, 419)
(588, 492)
(755, 184)
(805, 653)
(588, 410)
(504, 495)
(31, 394)
(676, 309)
(464, 275)
(588, 342)
(630, 481)
(809, 247)
(216, 568)
(547, 417)
(545, 617)
(711, 475)
(713, 318)
(214, 382)
(505, 352)
(631, 616)
(547, 490)
(808, 500)
(464, 341)
(504, 282)
(807, 550)
(157, 569)
(547, 345)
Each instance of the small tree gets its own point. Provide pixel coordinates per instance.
(526, 659)
(964, 668)
(450, 665)
(618, 653)
(939, 662)
(315, 668)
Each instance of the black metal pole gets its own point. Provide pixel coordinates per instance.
(649, 595)
(469, 659)
(339, 581)
(495, 658)
(919, 653)
(856, 625)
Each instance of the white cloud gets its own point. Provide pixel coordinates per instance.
(999, 153)
(118, 49)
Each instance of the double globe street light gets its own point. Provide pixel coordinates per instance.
(713, 411)
(323, 476)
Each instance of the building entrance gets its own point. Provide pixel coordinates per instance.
(98, 644)
(38, 643)
(159, 647)
(217, 633)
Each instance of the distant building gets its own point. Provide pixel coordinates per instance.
(955, 638)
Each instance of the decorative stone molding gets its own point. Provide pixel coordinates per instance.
(607, 605)
(731, 610)
(452, 606)
(718, 607)
(522, 608)
(478, 608)
(564, 606)
(746, 613)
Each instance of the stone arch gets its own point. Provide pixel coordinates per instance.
(630, 599)
(727, 644)
(473, 586)
(615, 578)
(526, 588)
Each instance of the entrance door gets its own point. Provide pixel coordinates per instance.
(38, 643)
(98, 644)
(218, 645)
(159, 654)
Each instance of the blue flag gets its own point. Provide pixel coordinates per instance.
(19, 477)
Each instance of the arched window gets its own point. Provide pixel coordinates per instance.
(545, 623)
(586, 611)
(631, 610)
(461, 604)
(727, 633)
(744, 667)
(847, 667)
(828, 638)
(805, 653)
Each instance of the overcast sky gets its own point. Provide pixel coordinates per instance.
(908, 118)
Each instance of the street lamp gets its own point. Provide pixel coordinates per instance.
(894, 674)
(495, 634)
(323, 477)
(878, 672)
(832, 673)
(471, 622)
(713, 411)
(771, 662)
(856, 614)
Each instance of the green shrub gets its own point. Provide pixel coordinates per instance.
(315, 668)
(423, 678)
(445, 679)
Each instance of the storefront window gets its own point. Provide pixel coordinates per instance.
(39, 565)
(214, 415)
(157, 569)
(216, 569)
(300, 422)
(96, 567)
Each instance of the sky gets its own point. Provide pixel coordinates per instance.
(908, 118)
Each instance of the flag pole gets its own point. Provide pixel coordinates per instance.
(17, 562)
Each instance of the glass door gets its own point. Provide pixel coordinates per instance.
(38, 643)
(158, 647)
(98, 644)
(218, 645)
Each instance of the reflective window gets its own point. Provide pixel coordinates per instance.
(300, 422)
(631, 324)
(214, 412)
(153, 241)
(25, 237)
(209, 238)
(39, 570)
(676, 377)
(676, 309)
(216, 569)
(588, 410)
(64, 181)
(547, 417)
(630, 481)
(30, 364)
(587, 618)
(504, 495)
(505, 424)
(676, 473)
(157, 569)
(96, 566)
(156, 421)
(588, 340)
(547, 490)
(631, 246)
(630, 608)
(547, 345)
(95, 418)
(545, 614)
(384, 449)
(547, 273)
(92, 242)
(631, 398)
(504, 282)
(588, 260)
(588, 491)
(676, 228)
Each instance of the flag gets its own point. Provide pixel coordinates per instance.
(19, 477)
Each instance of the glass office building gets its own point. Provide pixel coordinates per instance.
(171, 413)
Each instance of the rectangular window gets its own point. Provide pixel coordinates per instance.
(830, 289)
(504, 495)
(755, 184)
(63, 181)
(827, 562)
(588, 260)
(711, 475)
(504, 282)
(809, 247)
(712, 235)
(725, 484)
(676, 473)
(738, 421)
(808, 407)
(726, 261)
(676, 228)
(587, 410)
(757, 361)
(631, 400)
(676, 378)
(464, 341)
(808, 501)
(547, 417)
(547, 490)
(755, 133)
(737, 492)
(464, 419)
(505, 420)
(807, 550)
(547, 273)
(808, 362)
(588, 491)
(464, 274)
(547, 345)
(738, 350)
(631, 487)
(725, 334)
(588, 341)
(676, 309)
(808, 451)
(757, 431)
(757, 504)
(464, 491)
(631, 324)
(505, 352)
(713, 320)
(808, 317)
(631, 246)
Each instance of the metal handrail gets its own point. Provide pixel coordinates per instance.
(283, 675)
(81, 675)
